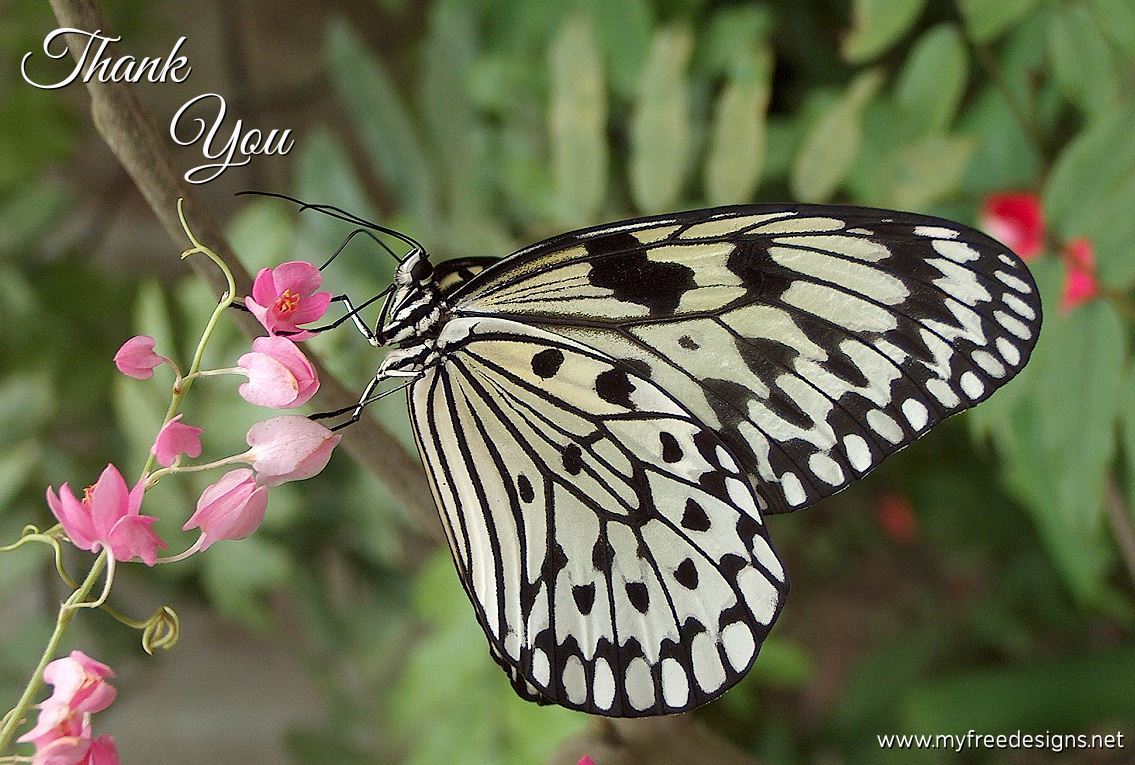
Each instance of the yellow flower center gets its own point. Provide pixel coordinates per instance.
(287, 302)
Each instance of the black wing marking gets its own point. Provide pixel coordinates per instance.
(815, 340)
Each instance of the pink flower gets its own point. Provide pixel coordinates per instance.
(897, 518)
(62, 735)
(279, 375)
(585, 760)
(78, 750)
(107, 516)
(232, 508)
(175, 439)
(289, 448)
(80, 683)
(285, 297)
(1017, 220)
(1080, 282)
(136, 358)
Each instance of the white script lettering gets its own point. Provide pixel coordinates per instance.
(93, 63)
(240, 142)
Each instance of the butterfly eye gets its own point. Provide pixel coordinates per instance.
(422, 270)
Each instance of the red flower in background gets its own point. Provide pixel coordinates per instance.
(1080, 282)
(1017, 220)
(897, 518)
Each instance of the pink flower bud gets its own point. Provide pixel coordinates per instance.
(232, 508)
(175, 439)
(136, 358)
(285, 297)
(107, 516)
(80, 683)
(897, 518)
(1017, 220)
(1080, 282)
(585, 760)
(289, 448)
(279, 375)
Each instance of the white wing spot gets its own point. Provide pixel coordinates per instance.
(707, 664)
(959, 252)
(826, 469)
(575, 680)
(603, 685)
(989, 363)
(541, 669)
(915, 413)
(725, 460)
(972, 385)
(640, 685)
(1007, 260)
(739, 645)
(858, 452)
(793, 490)
(1018, 284)
(1012, 324)
(942, 391)
(1008, 351)
(675, 684)
(512, 644)
(886, 427)
(936, 232)
(1019, 306)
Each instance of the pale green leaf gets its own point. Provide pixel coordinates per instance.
(1082, 62)
(933, 80)
(578, 119)
(660, 125)
(382, 122)
(877, 25)
(623, 30)
(917, 175)
(239, 575)
(986, 19)
(1117, 20)
(737, 139)
(830, 147)
(27, 401)
(728, 44)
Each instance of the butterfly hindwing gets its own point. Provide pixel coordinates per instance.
(815, 341)
(609, 541)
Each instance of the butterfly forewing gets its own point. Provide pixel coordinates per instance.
(609, 540)
(814, 340)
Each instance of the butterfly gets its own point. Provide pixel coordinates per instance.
(607, 418)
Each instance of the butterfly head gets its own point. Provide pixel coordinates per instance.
(416, 303)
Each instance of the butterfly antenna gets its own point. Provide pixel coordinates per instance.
(351, 236)
(337, 212)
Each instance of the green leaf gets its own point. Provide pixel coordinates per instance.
(1092, 688)
(737, 138)
(877, 25)
(624, 29)
(986, 19)
(831, 145)
(933, 80)
(660, 125)
(1117, 20)
(1091, 189)
(17, 464)
(27, 401)
(1081, 60)
(238, 575)
(382, 122)
(917, 175)
(1004, 157)
(578, 119)
(727, 45)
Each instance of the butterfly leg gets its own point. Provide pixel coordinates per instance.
(367, 398)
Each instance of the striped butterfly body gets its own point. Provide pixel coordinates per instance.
(608, 416)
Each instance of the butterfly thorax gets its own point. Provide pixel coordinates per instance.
(414, 319)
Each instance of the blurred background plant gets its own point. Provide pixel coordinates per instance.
(981, 579)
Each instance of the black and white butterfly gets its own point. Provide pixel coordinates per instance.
(607, 417)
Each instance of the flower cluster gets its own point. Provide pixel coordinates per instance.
(62, 735)
(1017, 220)
(286, 448)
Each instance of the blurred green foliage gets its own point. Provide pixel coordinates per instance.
(499, 122)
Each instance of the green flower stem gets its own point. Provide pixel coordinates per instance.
(66, 613)
(160, 474)
(182, 385)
